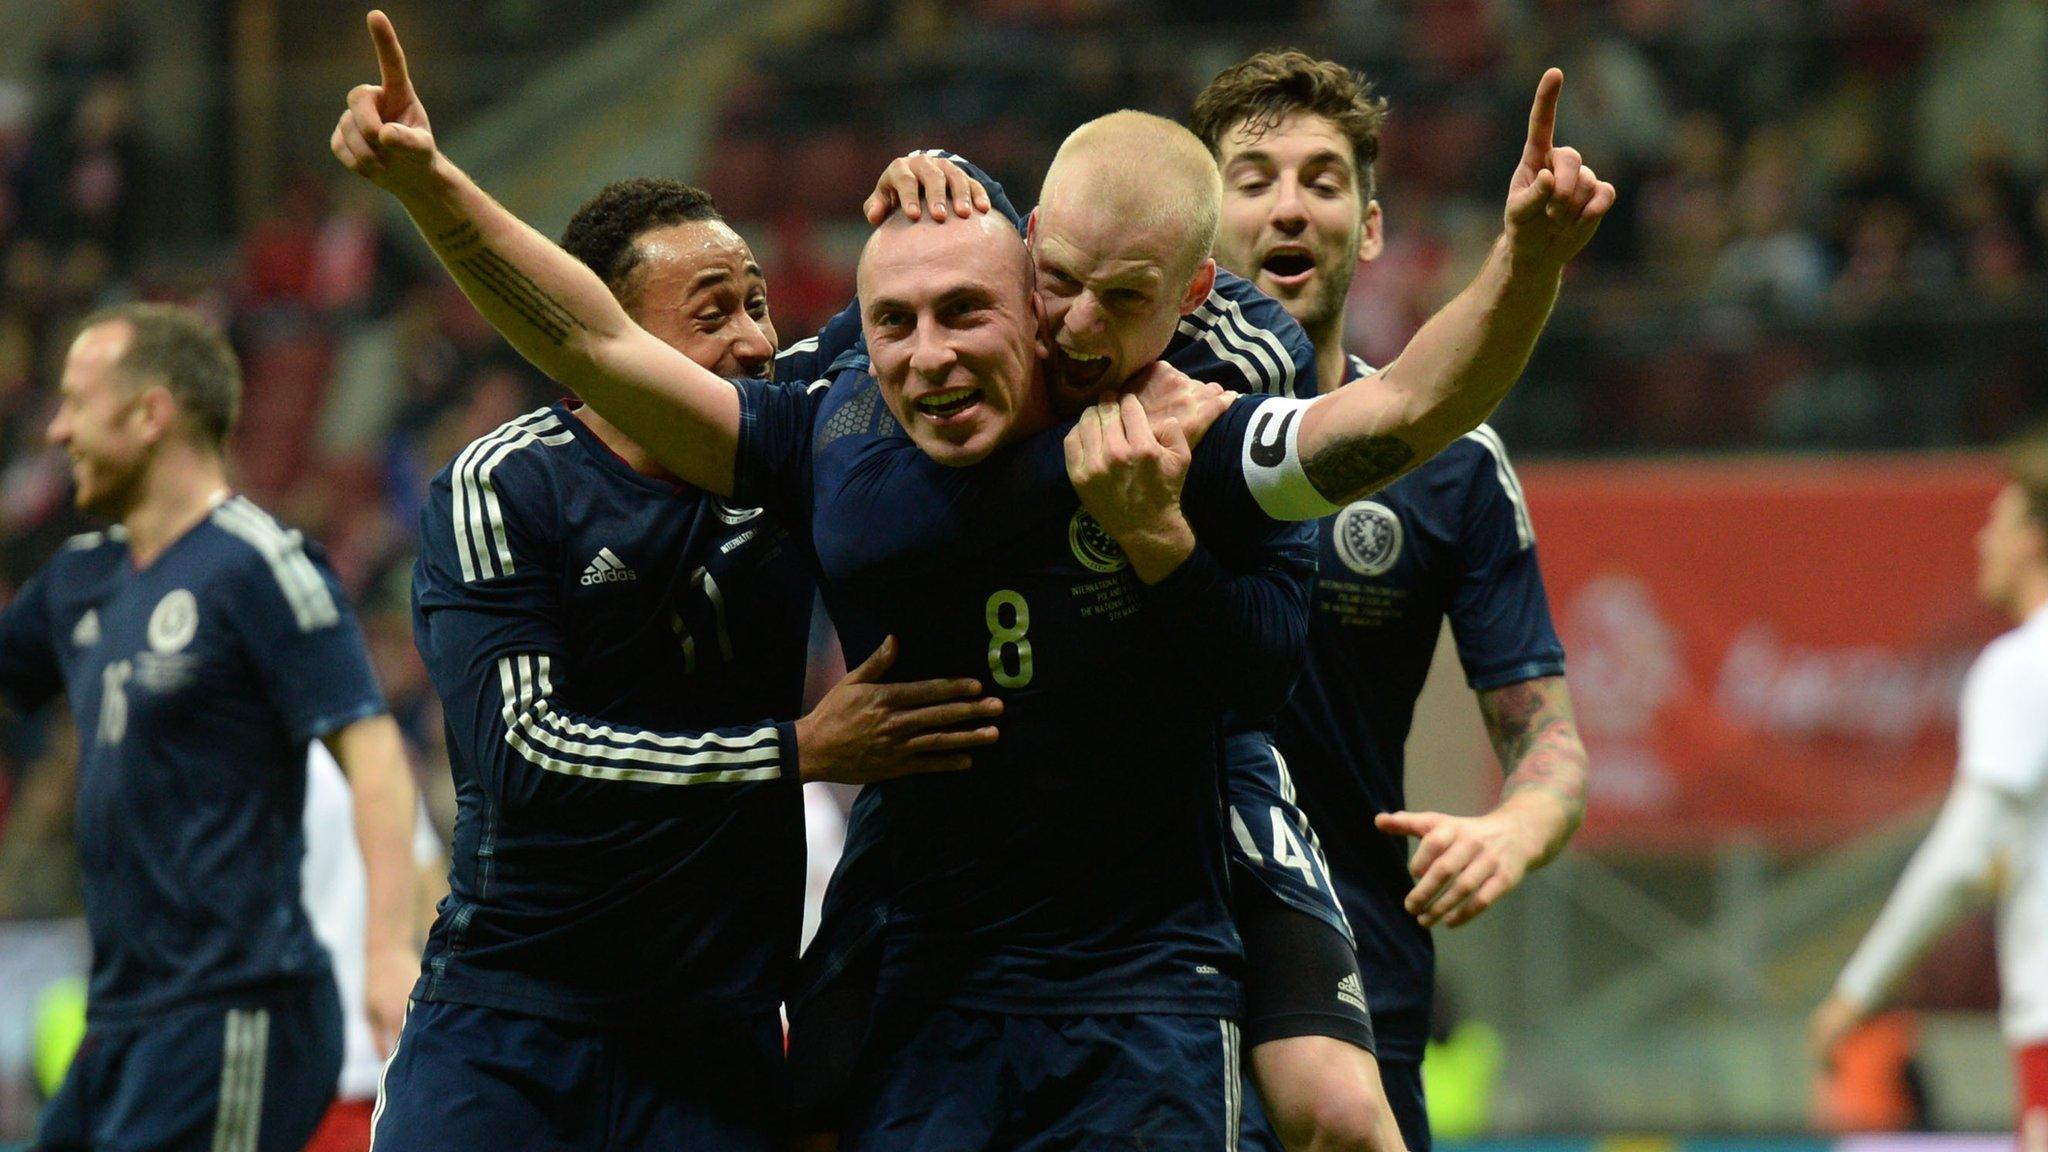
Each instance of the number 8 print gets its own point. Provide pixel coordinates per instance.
(1003, 639)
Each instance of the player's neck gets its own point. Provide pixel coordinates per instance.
(1331, 363)
(1034, 411)
(182, 488)
(623, 446)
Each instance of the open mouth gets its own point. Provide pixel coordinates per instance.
(948, 402)
(1288, 266)
(1072, 373)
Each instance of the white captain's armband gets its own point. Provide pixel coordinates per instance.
(1272, 462)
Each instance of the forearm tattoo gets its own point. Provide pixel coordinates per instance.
(464, 248)
(1538, 743)
(1353, 466)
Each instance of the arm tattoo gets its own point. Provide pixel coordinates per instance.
(1354, 466)
(1538, 743)
(454, 240)
(463, 247)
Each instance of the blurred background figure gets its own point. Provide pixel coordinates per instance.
(1992, 834)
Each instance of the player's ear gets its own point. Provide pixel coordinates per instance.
(1039, 346)
(1371, 235)
(159, 412)
(1031, 228)
(1199, 287)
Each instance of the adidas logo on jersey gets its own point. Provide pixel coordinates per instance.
(1352, 991)
(607, 568)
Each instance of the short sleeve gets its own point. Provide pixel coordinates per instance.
(772, 467)
(30, 675)
(298, 628)
(1242, 339)
(1253, 454)
(1499, 613)
(2003, 727)
(812, 358)
(490, 545)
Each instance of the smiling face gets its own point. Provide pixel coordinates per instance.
(1111, 289)
(697, 288)
(1295, 221)
(103, 422)
(949, 319)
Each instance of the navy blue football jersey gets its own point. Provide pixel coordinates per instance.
(1451, 539)
(613, 653)
(1078, 867)
(195, 684)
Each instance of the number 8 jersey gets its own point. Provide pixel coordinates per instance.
(1078, 867)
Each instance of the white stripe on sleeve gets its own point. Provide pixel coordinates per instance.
(557, 743)
(476, 516)
(1203, 326)
(311, 601)
(1262, 343)
(807, 344)
(1233, 1087)
(1525, 528)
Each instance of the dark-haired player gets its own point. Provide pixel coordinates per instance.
(614, 649)
(1296, 138)
(202, 646)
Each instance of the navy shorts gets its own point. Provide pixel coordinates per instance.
(1271, 840)
(254, 1077)
(466, 1077)
(955, 1079)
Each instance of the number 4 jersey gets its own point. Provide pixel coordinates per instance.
(613, 653)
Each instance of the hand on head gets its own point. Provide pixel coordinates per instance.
(921, 184)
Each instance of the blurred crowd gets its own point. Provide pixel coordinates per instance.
(1833, 231)
(1833, 228)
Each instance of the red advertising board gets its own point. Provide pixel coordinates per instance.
(1763, 648)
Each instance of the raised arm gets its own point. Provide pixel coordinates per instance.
(1363, 436)
(545, 302)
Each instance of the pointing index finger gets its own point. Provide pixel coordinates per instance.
(1543, 113)
(390, 60)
